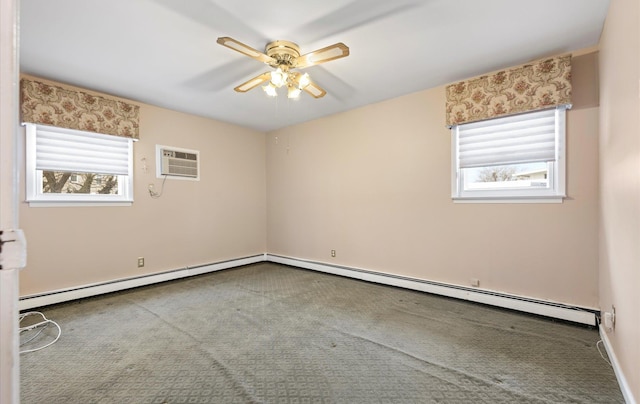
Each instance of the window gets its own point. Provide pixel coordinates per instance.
(75, 167)
(519, 158)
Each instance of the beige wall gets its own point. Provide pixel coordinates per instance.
(620, 182)
(374, 185)
(220, 217)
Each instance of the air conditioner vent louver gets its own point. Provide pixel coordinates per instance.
(178, 163)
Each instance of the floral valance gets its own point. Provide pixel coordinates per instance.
(539, 85)
(72, 109)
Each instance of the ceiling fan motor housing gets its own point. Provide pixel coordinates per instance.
(284, 52)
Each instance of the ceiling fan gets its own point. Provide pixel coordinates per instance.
(285, 58)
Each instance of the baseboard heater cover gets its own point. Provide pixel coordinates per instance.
(527, 305)
(60, 296)
(540, 307)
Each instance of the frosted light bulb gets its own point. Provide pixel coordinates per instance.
(270, 90)
(304, 81)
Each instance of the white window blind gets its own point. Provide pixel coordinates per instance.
(525, 138)
(77, 151)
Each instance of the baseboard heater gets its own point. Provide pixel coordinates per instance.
(540, 307)
(60, 296)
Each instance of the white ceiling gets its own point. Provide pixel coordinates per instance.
(164, 52)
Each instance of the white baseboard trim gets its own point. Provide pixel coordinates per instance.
(549, 309)
(520, 303)
(622, 381)
(64, 295)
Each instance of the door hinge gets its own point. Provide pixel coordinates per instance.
(13, 249)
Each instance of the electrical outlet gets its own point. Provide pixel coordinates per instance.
(333, 253)
(140, 262)
(475, 282)
(609, 319)
(613, 317)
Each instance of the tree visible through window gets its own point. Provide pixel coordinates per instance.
(495, 174)
(79, 183)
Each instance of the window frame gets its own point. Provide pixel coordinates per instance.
(33, 178)
(554, 193)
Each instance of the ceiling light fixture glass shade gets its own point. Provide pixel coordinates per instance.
(279, 77)
(294, 92)
(304, 81)
(294, 81)
(270, 89)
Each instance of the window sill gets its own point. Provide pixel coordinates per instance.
(544, 199)
(66, 204)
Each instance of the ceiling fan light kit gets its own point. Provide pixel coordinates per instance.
(284, 57)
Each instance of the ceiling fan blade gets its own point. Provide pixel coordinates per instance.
(218, 78)
(253, 83)
(212, 16)
(333, 84)
(353, 15)
(245, 49)
(315, 90)
(331, 52)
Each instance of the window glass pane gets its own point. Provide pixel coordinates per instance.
(512, 176)
(56, 182)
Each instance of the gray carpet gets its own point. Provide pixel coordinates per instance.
(268, 333)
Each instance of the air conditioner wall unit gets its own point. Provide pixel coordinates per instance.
(177, 163)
